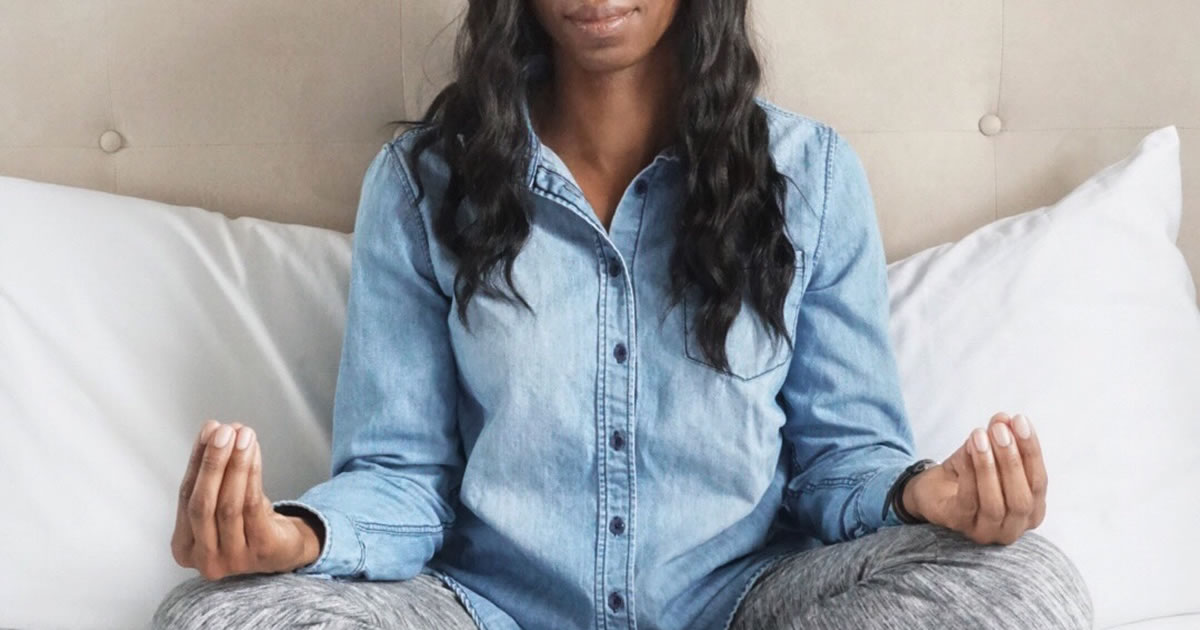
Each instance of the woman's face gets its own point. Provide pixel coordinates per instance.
(605, 35)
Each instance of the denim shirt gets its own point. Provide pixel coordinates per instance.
(584, 466)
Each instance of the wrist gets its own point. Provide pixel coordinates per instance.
(909, 497)
(902, 497)
(310, 541)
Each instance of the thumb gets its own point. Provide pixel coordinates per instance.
(966, 501)
(258, 507)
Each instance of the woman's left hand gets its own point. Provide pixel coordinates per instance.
(991, 489)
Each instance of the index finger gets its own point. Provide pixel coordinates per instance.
(183, 530)
(257, 506)
(1035, 465)
(967, 497)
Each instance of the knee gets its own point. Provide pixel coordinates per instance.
(248, 601)
(185, 606)
(1039, 578)
(1057, 580)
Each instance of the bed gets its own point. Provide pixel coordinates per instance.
(239, 131)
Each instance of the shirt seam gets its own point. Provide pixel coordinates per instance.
(635, 361)
(362, 555)
(599, 591)
(412, 208)
(563, 199)
(839, 481)
(400, 529)
(830, 149)
(805, 274)
(858, 498)
(787, 113)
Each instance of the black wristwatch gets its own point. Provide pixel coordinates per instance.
(895, 496)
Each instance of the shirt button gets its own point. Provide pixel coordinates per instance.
(617, 441)
(640, 187)
(620, 353)
(616, 526)
(615, 601)
(614, 268)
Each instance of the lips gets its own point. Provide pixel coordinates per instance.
(598, 13)
(600, 20)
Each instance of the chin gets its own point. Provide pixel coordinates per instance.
(606, 59)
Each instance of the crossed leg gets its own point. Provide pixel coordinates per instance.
(268, 601)
(920, 576)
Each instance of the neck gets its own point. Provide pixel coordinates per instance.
(613, 122)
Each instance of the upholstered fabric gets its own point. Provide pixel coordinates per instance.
(963, 112)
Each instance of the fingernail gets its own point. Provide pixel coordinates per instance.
(981, 441)
(222, 436)
(206, 430)
(244, 437)
(1022, 426)
(1000, 432)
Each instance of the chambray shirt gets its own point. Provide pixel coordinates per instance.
(584, 466)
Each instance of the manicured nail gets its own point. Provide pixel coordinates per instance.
(222, 436)
(1000, 432)
(981, 441)
(245, 436)
(206, 430)
(1022, 426)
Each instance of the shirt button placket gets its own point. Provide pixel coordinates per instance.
(618, 478)
(618, 483)
(617, 510)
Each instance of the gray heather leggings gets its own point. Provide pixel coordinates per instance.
(908, 576)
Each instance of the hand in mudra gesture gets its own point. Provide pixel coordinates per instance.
(992, 489)
(224, 524)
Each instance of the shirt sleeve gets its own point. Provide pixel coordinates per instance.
(396, 462)
(846, 423)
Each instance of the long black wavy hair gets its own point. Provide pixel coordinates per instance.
(731, 242)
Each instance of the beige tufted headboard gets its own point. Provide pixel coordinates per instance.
(963, 111)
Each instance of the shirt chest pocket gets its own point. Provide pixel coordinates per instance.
(749, 346)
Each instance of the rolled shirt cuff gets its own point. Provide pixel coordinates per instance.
(873, 497)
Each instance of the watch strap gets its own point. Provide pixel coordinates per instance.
(895, 495)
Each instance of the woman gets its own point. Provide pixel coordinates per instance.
(616, 355)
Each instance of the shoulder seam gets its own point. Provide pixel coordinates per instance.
(765, 104)
(391, 145)
(830, 150)
(414, 216)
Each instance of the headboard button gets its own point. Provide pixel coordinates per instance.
(111, 141)
(991, 125)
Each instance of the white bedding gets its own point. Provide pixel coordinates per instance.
(1082, 316)
(1175, 622)
(124, 323)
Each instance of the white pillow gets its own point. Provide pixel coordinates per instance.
(1083, 316)
(124, 324)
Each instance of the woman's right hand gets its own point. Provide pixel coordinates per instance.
(225, 525)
